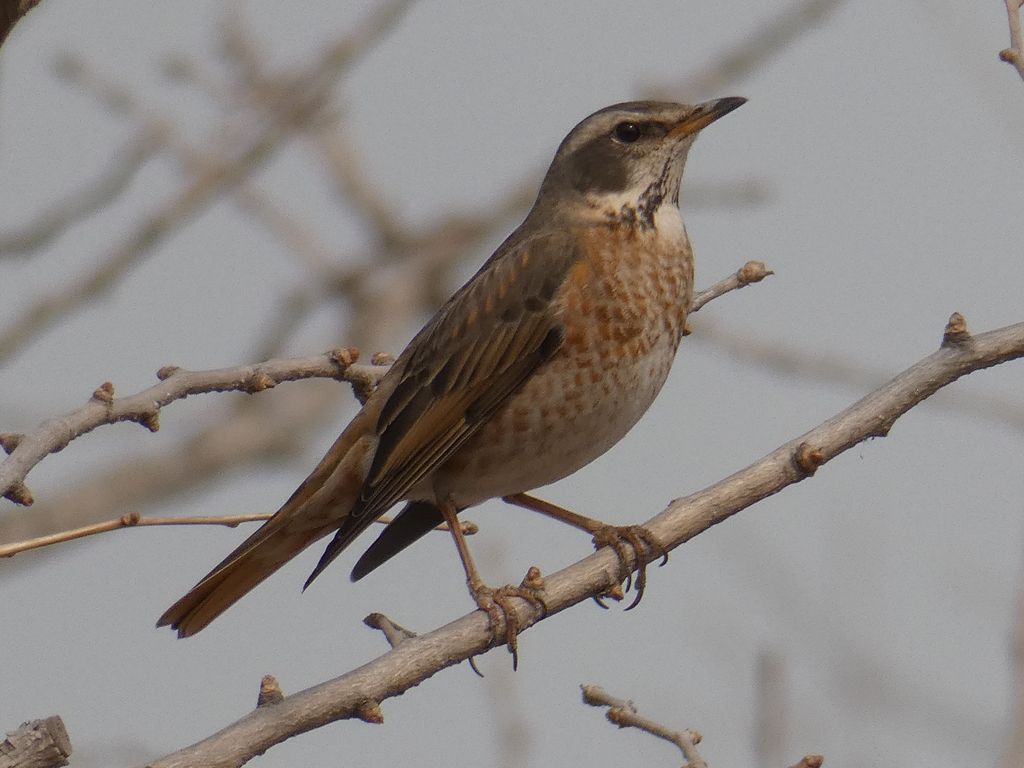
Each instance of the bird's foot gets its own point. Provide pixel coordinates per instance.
(497, 604)
(618, 538)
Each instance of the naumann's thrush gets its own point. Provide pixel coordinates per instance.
(534, 368)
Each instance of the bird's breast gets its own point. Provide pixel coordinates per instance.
(623, 308)
(630, 290)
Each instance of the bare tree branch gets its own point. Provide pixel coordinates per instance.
(130, 520)
(419, 658)
(394, 633)
(824, 365)
(144, 407)
(623, 713)
(135, 520)
(1014, 55)
(751, 272)
(250, 430)
(38, 744)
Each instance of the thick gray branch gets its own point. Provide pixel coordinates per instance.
(38, 744)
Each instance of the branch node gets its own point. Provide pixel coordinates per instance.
(624, 714)
(151, 421)
(533, 580)
(469, 528)
(370, 712)
(620, 715)
(382, 358)
(343, 357)
(104, 393)
(808, 459)
(394, 633)
(809, 761)
(129, 519)
(258, 382)
(19, 494)
(270, 692)
(956, 333)
(167, 371)
(1008, 55)
(9, 441)
(753, 272)
(591, 695)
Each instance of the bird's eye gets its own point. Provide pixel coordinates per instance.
(627, 133)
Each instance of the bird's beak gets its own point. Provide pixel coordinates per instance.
(702, 115)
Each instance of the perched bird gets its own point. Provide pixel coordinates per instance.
(534, 368)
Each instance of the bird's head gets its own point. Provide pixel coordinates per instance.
(627, 157)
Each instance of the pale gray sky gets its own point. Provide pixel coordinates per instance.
(889, 141)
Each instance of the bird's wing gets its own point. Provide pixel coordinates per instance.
(476, 351)
(415, 520)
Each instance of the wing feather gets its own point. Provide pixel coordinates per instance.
(479, 349)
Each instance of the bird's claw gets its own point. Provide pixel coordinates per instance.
(496, 603)
(618, 538)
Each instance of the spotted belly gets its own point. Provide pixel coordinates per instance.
(559, 422)
(623, 311)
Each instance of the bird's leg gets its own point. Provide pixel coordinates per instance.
(495, 602)
(617, 537)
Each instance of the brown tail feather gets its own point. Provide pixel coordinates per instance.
(249, 565)
(320, 505)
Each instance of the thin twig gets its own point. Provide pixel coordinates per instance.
(623, 713)
(1014, 55)
(751, 272)
(135, 520)
(394, 633)
(130, 520)
(419, 658)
